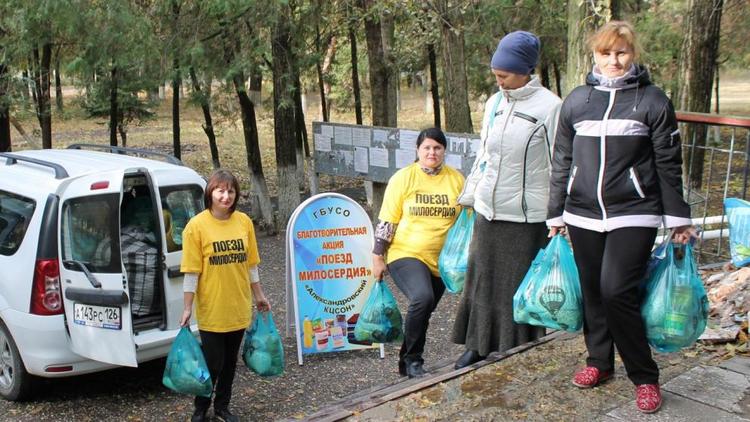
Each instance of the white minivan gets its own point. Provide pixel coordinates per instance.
(90, 248)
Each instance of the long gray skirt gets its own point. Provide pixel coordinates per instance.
(499, 256)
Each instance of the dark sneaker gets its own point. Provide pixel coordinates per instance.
(590, 376)
(225, 415)
(199, 415)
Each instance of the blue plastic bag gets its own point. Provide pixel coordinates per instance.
(262, 350)
(454, 257)
(380, 320)
(675, 308)
(186, 370)
(738, 215)
(550, 293)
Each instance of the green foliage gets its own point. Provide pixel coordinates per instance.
(117, 46)
(660, 30)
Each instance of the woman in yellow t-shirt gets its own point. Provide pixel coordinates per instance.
(220, 261)
(418, 209)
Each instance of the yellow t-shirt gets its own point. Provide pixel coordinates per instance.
(424, 207)
(222, 251)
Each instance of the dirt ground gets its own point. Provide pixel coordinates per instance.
(138, 395)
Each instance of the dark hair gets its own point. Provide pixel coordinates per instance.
(221, 177)
(432, 133)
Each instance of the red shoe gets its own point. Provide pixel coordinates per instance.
(648, 397)
(589, 377)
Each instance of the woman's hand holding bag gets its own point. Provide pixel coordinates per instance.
(262, 350)
(380, 320)
(550, 293)
(186, 370)
(454, 257)
(675, 306)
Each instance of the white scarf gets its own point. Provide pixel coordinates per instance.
(616, 82)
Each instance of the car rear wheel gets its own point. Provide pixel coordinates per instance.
(15, 382)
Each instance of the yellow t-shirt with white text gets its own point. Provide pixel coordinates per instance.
(424, 207)
(222, 251)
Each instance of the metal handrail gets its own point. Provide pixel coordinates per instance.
(737, 155)
(712, 119)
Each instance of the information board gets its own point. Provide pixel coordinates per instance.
(375, 153)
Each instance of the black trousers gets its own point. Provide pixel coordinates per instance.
(611, 266)
(423, 290)
(220, 351)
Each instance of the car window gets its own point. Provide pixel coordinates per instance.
(15, 215)
(90, 233)
(180, 204)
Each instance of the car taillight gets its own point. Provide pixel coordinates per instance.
(46, 295)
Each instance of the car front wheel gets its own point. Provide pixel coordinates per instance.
(15, 382)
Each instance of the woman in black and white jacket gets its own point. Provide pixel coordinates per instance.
(616, 178)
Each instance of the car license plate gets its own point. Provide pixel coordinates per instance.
(98, 316)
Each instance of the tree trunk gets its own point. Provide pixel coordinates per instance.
(434, 85)
(558, 78)
(716, 89)
(383, 77)
(583, 20)
(123, 133)
(42, 62)
(260, 199)
(379, 33)
(355, 73)
(28, 79)
(113, 111)
(321, 84)
(176, 82)
(327, 61)
(544, 75)
(256, 88)
(5, 144)
(284, 117)
(259, 189)
(300, 131)
(698, 57)
(208, 127)
(32, 142)
(456, 92)
(58, 83)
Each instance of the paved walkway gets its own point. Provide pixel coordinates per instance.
(533, 383)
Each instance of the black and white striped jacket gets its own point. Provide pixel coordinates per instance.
(617, 158)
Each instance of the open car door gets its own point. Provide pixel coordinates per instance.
(95, 292)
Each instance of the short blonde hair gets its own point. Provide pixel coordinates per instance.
(612, 32)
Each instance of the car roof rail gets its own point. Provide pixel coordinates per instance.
(60, 172)
(171, 159)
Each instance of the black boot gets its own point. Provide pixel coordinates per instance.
(469, 357)
(199, 415)
(401, 368)
(414, 369)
